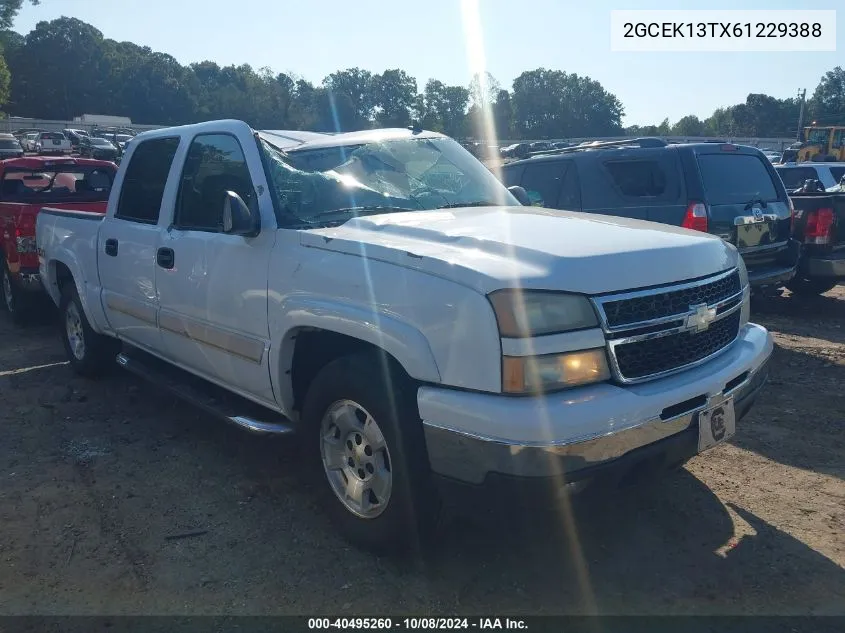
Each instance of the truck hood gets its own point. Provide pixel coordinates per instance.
(489, 248)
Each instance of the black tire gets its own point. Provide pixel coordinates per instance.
(806, 287)
(16, 302)
(379, 385)
(97, 353)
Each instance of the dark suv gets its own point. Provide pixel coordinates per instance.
(728, 190)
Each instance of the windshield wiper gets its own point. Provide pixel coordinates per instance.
(477, 203)
(371, 210)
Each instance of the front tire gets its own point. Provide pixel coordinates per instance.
(367, 449)
(807, 287)
(90, 354)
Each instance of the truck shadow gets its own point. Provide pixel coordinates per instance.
(669, 547)
(817, 317)
(797, 418)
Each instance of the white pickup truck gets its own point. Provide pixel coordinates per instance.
(384, 296)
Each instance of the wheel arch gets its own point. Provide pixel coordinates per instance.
(319, 332)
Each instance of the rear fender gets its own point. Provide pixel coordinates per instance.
(88, 290)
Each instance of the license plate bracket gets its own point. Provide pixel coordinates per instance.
(716, 424)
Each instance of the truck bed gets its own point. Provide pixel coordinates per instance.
(68, 236)
(806, 202)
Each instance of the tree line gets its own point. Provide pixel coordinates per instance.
(65, 67)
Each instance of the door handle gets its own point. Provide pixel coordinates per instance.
(165, 257)
(111, 247)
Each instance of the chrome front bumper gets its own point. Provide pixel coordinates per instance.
(584, 428)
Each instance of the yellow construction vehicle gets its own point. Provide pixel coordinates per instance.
(823, 144)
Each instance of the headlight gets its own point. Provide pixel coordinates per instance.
(537, 374)
(531, 313)
(26, 244)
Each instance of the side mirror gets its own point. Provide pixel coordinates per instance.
(520, 194)
(238, 218)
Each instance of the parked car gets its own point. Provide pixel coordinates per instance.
(52, 143)
(796, 174)
(820, 225)
(10, 147)
(726, 190)
(95, 147)
(27, 130)
(118, 140)
(382, 294)
(30, 142)
(516, 150)
(75, 137)
(26, 185)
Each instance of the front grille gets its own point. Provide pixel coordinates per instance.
(669, 302)
(666, 353)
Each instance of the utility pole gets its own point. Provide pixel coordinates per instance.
(801, 95)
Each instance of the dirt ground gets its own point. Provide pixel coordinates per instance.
(96, 478)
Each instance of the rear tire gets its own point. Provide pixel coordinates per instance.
(805, 287)
(367, 449)
(16, 302)
(90, 354)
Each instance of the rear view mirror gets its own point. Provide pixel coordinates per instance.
(520, 194)
(238, 218)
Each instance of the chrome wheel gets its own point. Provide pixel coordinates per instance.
(356, 459)
(8, 297)
(75, 333)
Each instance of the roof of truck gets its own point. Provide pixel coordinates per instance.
(298, 141)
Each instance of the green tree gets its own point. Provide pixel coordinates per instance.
(395, 98)
(5, 80)
(689, 125)
(444, 108)
(354, 86)
(56, 73)
(483, 93)
(554, 104)
(827, 105)
(503, 115)
(9, 10)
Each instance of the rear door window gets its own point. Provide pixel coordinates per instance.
(735, 178)
(638, 178)
(512, 176)
(794, 177)
(145, 179)
(542, 182)
(570, 190)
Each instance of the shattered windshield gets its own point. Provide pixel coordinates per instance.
(318, 186)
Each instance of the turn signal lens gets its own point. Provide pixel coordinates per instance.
(537, 374)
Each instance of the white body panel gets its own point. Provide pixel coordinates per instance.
(128, 280)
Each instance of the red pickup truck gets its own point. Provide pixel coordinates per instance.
(26, 185)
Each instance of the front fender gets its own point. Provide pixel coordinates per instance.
(402, 341)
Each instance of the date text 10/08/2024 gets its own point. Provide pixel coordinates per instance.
(417, 624)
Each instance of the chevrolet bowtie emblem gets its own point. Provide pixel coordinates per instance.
(699, 318)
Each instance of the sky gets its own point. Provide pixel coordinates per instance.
(429, 40)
